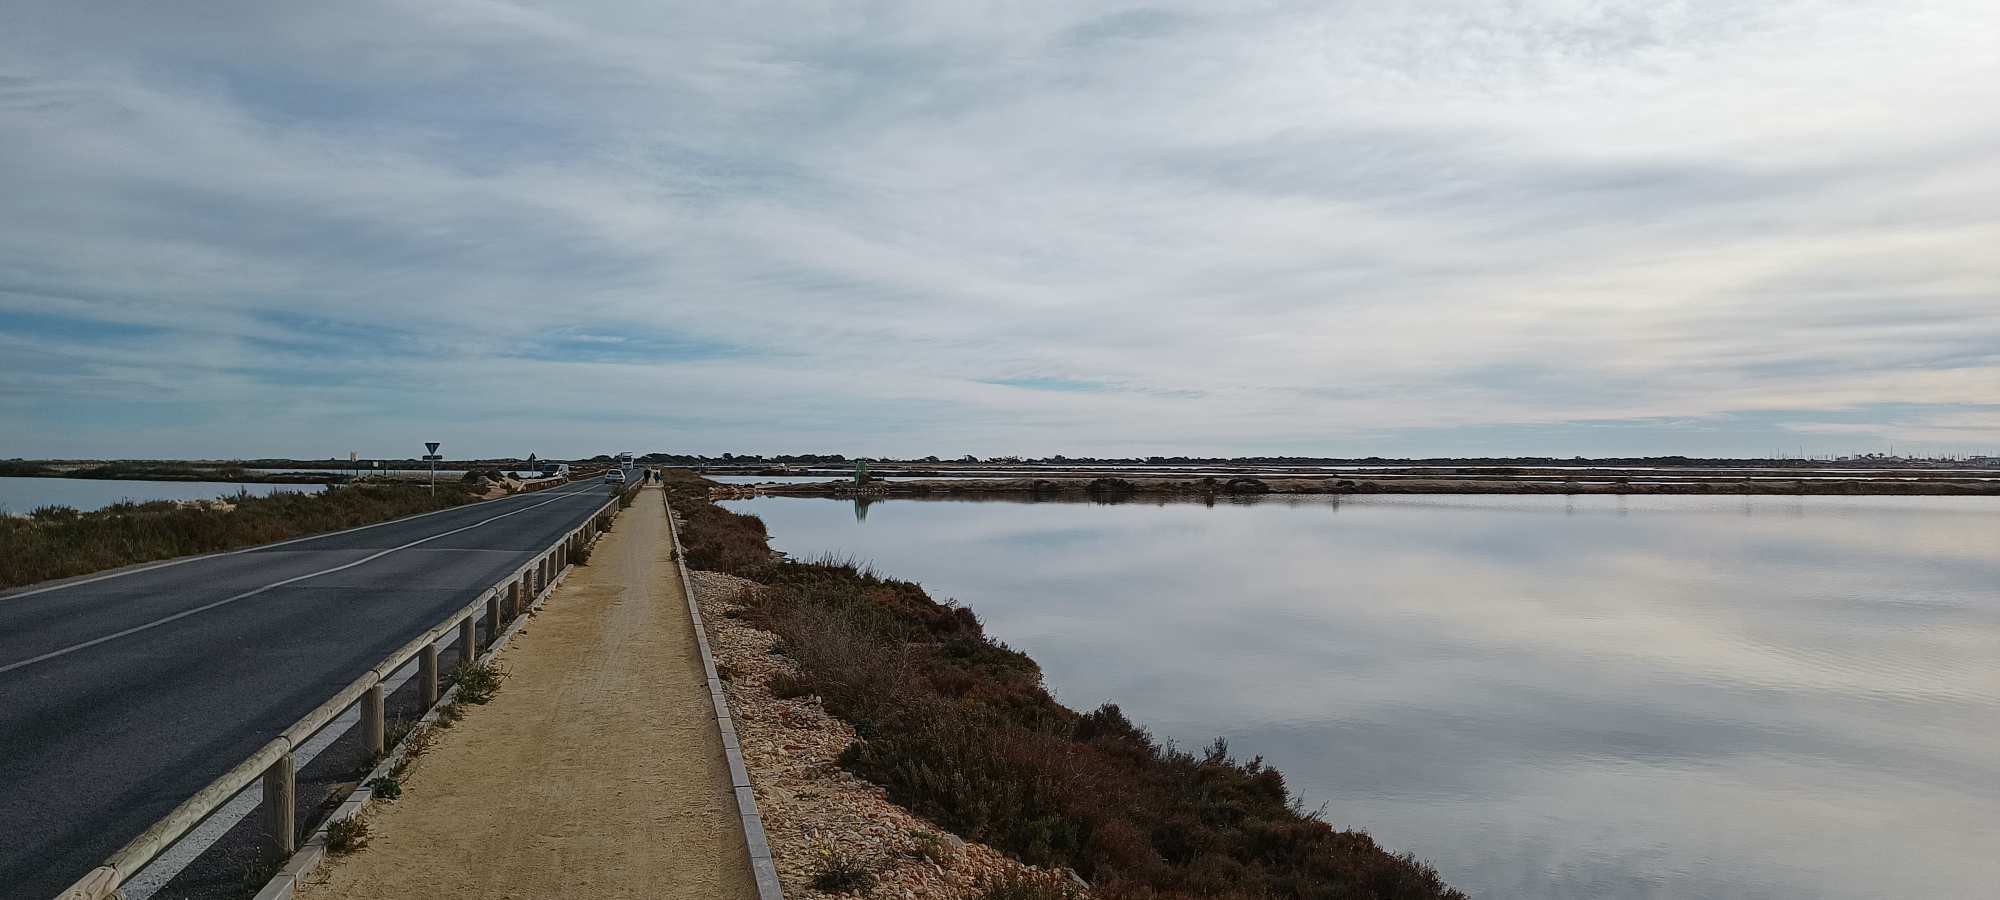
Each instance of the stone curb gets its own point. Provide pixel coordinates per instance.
(762, 867)
(312, 851)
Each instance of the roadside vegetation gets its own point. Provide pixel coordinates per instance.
(164, 471)
(959, 728)
(477, 682)
(347, 836)
(59, 542)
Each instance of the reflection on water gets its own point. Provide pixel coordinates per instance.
(1550, 697)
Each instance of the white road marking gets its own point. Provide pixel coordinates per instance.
(255, 591)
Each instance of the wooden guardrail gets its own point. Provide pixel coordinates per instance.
(274, 762)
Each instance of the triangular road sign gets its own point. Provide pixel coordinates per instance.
(433, 445)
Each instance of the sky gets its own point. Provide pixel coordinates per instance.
(879, 228)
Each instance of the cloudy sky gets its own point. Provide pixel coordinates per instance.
(1563, 227)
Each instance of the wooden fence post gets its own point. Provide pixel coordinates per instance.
(427, 674)
(373, 726)
(281, 804)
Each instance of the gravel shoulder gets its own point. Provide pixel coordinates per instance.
(812, 808)
(596, 771)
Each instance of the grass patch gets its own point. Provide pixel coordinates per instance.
(60, 542)
(347, 835)
(959, 728)
(581, 555)
(840, 872)
(393, 733)
(387, 787)
(419, 743)
(477, 682)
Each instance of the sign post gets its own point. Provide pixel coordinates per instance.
(433, 457)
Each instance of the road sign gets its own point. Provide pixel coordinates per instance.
(433, 457)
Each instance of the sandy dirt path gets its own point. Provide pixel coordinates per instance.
(596, 772)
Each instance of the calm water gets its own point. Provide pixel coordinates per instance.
(19, 496)
(1548, 697)
(772, 479)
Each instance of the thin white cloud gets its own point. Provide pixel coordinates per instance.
(1269, 227)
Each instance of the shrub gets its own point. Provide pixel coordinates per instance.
(1246, 486)
(394, 730)
(387, 787)
(477, 682)
(347, 835)
(724, 541)
(787, 686)
(1109, 487)
(840, 872)
(418, 743)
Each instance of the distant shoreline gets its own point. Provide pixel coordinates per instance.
(1121, 486)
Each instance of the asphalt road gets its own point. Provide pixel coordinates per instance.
(122, 697)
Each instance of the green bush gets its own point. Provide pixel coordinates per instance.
(387, 787)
